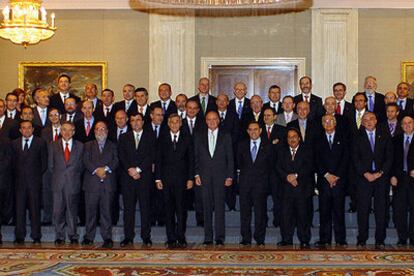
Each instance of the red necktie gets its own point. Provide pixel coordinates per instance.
(338, 109)
(307, 99)
(88, 128)
(56, 135)
(268, 132)
(67, 153)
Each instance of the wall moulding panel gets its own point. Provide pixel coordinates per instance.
(334, 50)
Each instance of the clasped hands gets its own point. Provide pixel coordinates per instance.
(228, 182)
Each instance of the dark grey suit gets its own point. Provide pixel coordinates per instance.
(99, 193)
(213, 172)
(66, 187)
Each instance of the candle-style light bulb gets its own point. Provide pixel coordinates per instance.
(52, 15)
(6, 13)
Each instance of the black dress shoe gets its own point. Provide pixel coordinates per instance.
(37, 241)
(87, 242)
(126, 242)
(1, 241)
(182, 244)
(343, 243)
(219, 243)
(170, 244)
(59, 242)
(379, 246)
(207, 243)
(322, 244)
(283, 243)
(304, 245)
(401, 243)
(18, 241)
(245, 243)
(260, 244)
(108, 244)
(147, 242)
(361, 244)
(351, 210)
(74, 241)
(46, 223)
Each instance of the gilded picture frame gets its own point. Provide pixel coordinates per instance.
(44, 74)
(407, 74)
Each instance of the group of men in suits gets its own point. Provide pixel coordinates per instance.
(75, 158)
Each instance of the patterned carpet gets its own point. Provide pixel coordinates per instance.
(199, 261)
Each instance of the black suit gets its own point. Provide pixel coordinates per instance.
(233, 107)
(213, 171)
(408, 110)
(56, 102)
(210, 104)
(37, 120)
(253, 186)
(366, 160)
(246, 119)
(133, 190)
(109, 119)
(177, 158)
(332, 159)
(403, 193)
(295, 200)
(385, 128)
(121, 105)
(379, 106)
(29, 166)
(147, 114)
(74, 118)
(279, 107)
(172, 108)
(9, 129)
(311, 133)
(5, 178)
(315, 103)
(80, 131)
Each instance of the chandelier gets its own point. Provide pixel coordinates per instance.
(25, 23)
(220, 4)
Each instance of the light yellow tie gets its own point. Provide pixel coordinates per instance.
(359, 120)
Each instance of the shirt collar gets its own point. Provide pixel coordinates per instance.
(214, 131)
(137, 132)
(172, 135)
(258, 140)
(331, 134)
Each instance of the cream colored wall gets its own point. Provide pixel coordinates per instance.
(386, 37)
(283, 35)
(118, 37)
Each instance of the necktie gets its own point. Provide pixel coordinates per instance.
(253, 151)
(203, 104)
(70, 118)
(330, 141)
(107, 112)
(392, 128)
(221, 116)
(141, 110)
(400, 104)
(136, 141)
(156, 130)
(287, 118)
(164, 107)
(372, 143)
(67, 152)
(359, 120)
(56, 137)
(406, 149)
(370, 103)
(293, 154)
(268, 132)
(101, 147)
(119, 134)
(240, 109)
(10, 115)
(191, 126)
(26, 145)
(338, 108)
(127, 104)
(175, 142)
(211, 145)
(88, 128)
(256, 116)
(302, 130)
(43, 117)
(307, 99)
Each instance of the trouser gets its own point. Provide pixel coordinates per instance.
(28, 199)
(332, 212)
(403, 208)
(295, 212)
(102, 201)
(213, 201)
(65, 213)
(175, 209)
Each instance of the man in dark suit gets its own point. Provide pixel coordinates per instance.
(71, 113)
(106, 111)
(206, 101)
(66, 169)
(329, 106)
(193, 122)
(372, 156)
(315, 102)
(275, 135)
(141, 98)
(136, 151)
(308, 129)
(7, 125)
(375, 100)
(84, 128)
(255, 162)
(274, 99)
(288, 115)
(29, 163)
(57, 100)
(405, 104)
(240, 104)
(128, 104)
(27, 115)
(5, 162)
(11, 106)
(294, 165)
(214, 169)
(180, 101)
(332, 166)
(402, 180)
(342, 107)
(91, 94)
(391, 125)
(40, 112)
(175, 153)
(165, 102)
(99, 183)
(255, 114)
(49, 134)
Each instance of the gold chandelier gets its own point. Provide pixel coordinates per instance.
(25, 22)
(220, 4)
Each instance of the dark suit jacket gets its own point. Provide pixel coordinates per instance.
(231, 124)
(247, 118)
(233, 106)
(312, 131)
(302, 165)
(143, 157)
(147, 115)
(316, 107)
(65, 176)
(47, 134)
(121, 106)
(199, 125)
(333, 160)
(383, 126)
(362, 156)
(277, 135)
(379, 106)
(38, 121)
(398, 160)
(5, 162)
(408, 111)
(113, 132)
(93, 159)
(278, 111)
(80, 131)
(78, 117)
(180, 161)
(348, 109)
(99, 115)
(172, 108)
(36, 132)
(9, 129)
(211, 104)
(222, 162)
(56, 101)
(29, 166)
